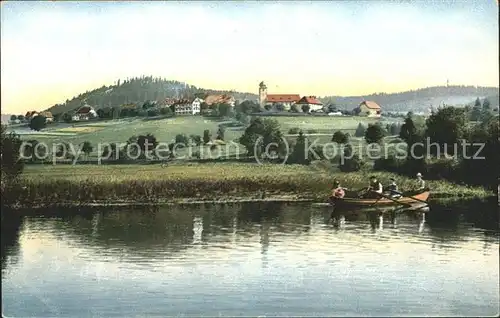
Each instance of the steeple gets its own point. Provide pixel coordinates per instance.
(262, 94)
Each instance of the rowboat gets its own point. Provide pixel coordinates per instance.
(406, 199)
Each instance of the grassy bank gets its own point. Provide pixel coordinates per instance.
(90, 184)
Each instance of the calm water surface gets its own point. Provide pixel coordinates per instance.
(246, 260)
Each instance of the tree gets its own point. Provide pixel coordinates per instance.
(446, 127)
(166, 111)
(206, 136)
(63, 151)
(248, 107)
(220, 133)
(374, 133)
(332, 108)
(477, 103)
(260, 134)
(38, 123)
(204, 107)
(294, 108)
(196, 139)
(350, 162)
(148, 104)
(147, 143)
(486, 104)
(409, 132)
(476, 112)
(87, 148)
(294, 131)
(181, 140)
(299, 154)
(280, 107)
(112, 152)
(268, 107)
(152, 112)
(360, 130)
(21, 117)
(66, 117)
(11, 165)
(13, 118)
(340, 138)
(394, 129)
(224, 110)
(100, 113)
(486, 113)
(306, 108)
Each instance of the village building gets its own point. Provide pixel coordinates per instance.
(85, 112)
(30, 114)
(187, 107)
(311, 101)
(368, 109)
(285, 100)
(48, 116)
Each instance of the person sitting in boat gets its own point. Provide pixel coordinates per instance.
(337, 191)
(375, 188)
(420, 183)
(392, 189)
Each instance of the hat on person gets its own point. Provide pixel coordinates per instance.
(373, 177)
(336, 183)
(392, 179)
(419, 174)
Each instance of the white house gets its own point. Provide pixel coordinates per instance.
(313, 103)
(368, 109)
(196, 105)
(84, 113)
(187, 107)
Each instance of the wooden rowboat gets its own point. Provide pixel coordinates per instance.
(407, 199)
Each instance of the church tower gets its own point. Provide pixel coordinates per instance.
(262, 94)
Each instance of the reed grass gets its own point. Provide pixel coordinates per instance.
(84, 184)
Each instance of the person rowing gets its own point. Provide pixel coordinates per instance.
(392, 189)
(420, 183)
(375, 188)
(337, 191)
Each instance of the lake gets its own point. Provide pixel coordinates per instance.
(253, 259)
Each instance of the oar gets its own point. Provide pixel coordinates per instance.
(392, 199)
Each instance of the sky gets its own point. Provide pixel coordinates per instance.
(52, 51)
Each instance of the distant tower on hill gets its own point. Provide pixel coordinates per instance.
(262, 94)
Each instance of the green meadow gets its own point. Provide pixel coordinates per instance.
(318, 129)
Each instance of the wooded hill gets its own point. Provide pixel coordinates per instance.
(420, 99)
(141, 89)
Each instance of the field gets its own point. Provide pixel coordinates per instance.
(82, 184)
(319, 129)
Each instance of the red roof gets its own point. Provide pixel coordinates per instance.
(370, 104)
(31, 113)
(284, 98)
(84, 110)
(309, 100)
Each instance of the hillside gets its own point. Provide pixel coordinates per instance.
(419, 100)
(138, 90)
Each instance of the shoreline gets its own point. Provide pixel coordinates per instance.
(286, 199)
(126, 185)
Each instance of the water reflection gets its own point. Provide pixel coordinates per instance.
(11, 226)
(273, 253)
